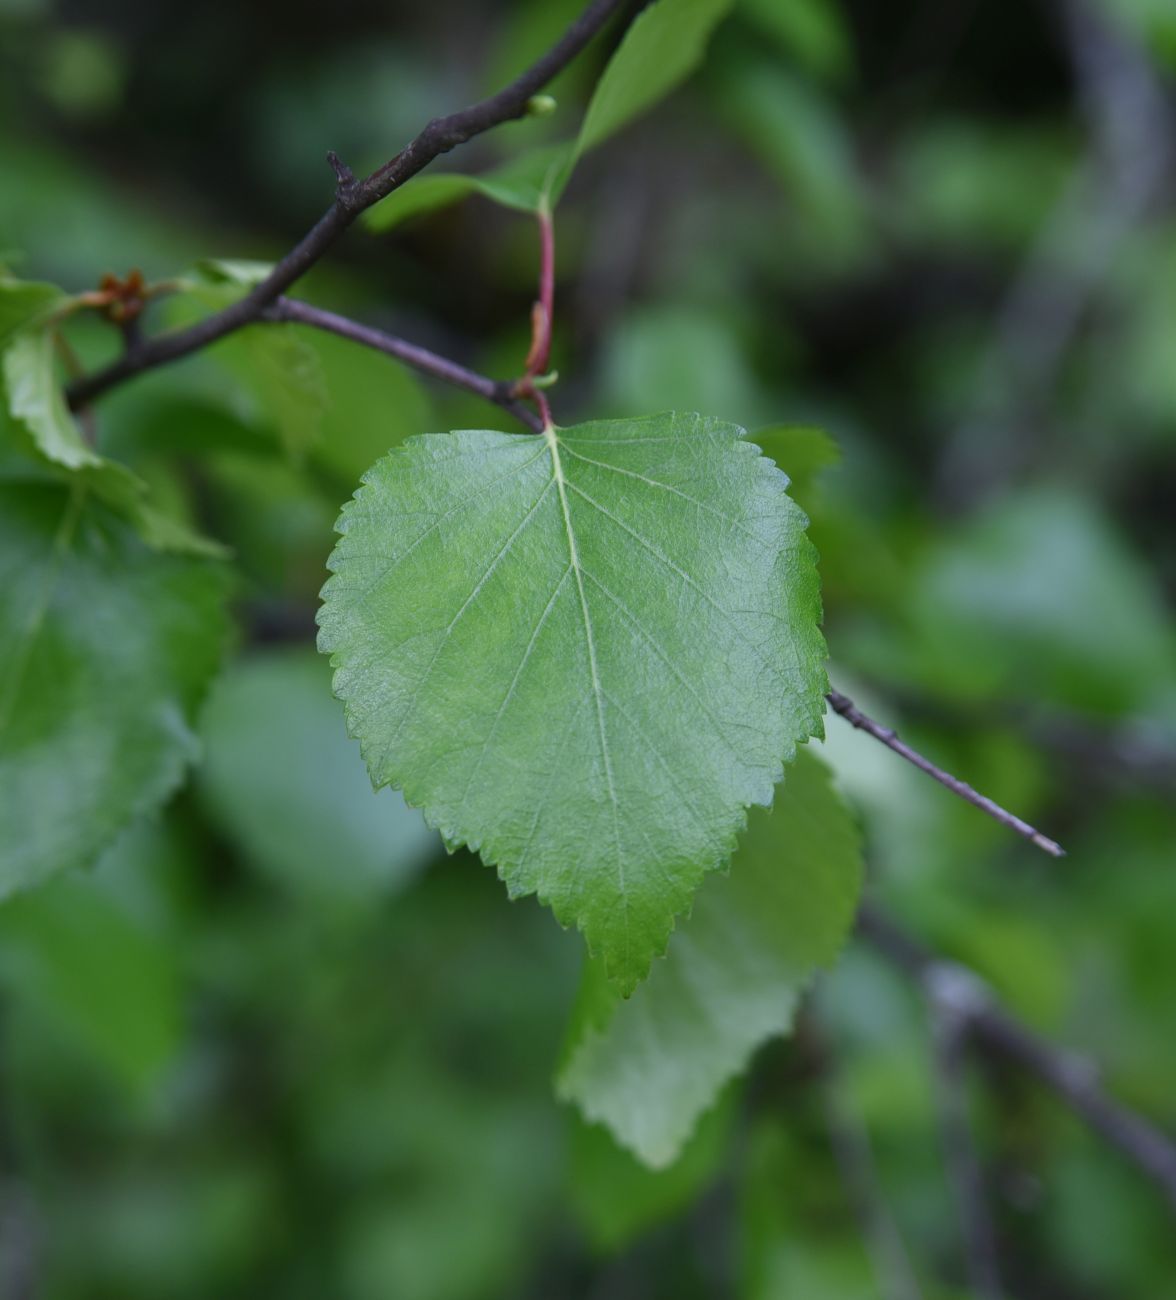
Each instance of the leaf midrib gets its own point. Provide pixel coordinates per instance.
(597, 691)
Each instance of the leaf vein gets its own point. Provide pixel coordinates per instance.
(506, 699)
(394, 563)
(410, 708)
(669, 487)
(686, 578)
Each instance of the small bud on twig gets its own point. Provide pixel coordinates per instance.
(541, 106)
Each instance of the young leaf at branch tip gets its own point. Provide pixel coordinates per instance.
(664, 45)
(648, 1068)
(584, 655)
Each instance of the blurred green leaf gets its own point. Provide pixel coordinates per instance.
(273, 363)
(283, 780)
(680, 357)
(812, 31)
(481, 1171)
(83, 74)
(111, 647)
(663, 46)
(650, 1066)
(803, 453)
(242, 271)
(36, 406)
(617, 1198)
(796, 1236)
(1038, 596)
(373, 405)
(90, 959)
(1151, 21)
(604, 753)
(24, 302)
(280, 523)
(980, 184)
(804, 141)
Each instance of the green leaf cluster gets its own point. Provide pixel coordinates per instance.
(112, 617)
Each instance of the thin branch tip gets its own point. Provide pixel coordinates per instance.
(1052, 847)
(844, 707)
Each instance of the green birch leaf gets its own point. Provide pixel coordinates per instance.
(23, 302)
(648, 1068)
(276, 367)
(47, 432)
(35, 401)
(109, 647)
(285, 375)
(374, 404)
(813, 32)
(93, 956)
(582, 654)
(662, 47)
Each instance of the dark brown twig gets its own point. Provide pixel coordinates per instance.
(845, 707)
(289, 310)
(990, 1027)
(352, 197)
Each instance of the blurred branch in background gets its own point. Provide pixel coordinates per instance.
(849, 1139)
(1134, 752)
(20, 1242)
(953, 993)
(984, 1024)
(1131, 129)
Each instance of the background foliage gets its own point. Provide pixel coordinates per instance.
(276, 1043)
